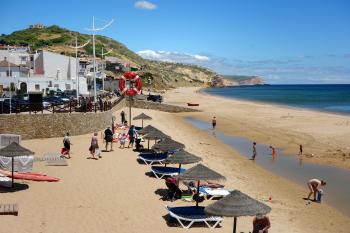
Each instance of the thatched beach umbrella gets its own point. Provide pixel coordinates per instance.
(182, 157)
(147, 129)
(167, 144)
(142, 117)
(237, 204)
(152, 133)
(200, 172)
(14, 150)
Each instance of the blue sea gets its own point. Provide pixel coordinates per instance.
(327, 97)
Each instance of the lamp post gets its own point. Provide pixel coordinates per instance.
(94, 30)
(76, 47)
(103, 64)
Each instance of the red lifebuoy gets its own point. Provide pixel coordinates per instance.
(135, 79)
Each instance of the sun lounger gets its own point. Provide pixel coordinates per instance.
(210, 193)
(150, 159)
(188, 215)
(8, 209)
(60, 162)
(159, 172)
(5, 181)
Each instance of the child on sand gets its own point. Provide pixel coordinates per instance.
(122, 140)
(66, 145)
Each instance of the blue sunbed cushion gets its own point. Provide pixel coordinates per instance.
(167, 170)
(155, 157)
(190, 212)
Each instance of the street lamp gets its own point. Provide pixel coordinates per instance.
(94, 30)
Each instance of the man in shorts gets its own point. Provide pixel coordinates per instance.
(314, 186)
(109, 137)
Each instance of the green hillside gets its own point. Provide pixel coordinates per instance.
(59, 40)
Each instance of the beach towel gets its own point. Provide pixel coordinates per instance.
(21, 163)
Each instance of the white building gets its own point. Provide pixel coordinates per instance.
(50, 71)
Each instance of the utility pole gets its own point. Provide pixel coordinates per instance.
(9, 70)
(94, 30)
(77, 62)
(103, 66)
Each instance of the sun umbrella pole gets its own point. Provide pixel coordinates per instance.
(148, 144)
(197, 193)
(179, 168)
(130, 110)
(234, 224)
(142, 123)
(12, 185)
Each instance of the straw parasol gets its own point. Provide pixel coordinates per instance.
(237, 204)
(155, 135)
(200, 172)
(182, 157)
(142, 117)
(14, 150)
(152, 133)
(167, 144)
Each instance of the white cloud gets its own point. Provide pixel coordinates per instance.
(145, 5)
(173, 56)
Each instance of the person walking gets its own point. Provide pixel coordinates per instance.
(108, 136)
(314, 187)
(122, 116)
(94, 148)
(66, 145)
(131, 134)
(300, 149)
(213, 122)
(254, 151)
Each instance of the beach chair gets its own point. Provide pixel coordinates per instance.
(151, 158)
(188, 215)
(159, 172)
(211, 193)
(9, 209)
(5, 181)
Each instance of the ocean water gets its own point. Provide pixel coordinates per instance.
(328, 97)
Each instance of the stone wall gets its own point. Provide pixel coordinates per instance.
(160, 107)
(56, 125)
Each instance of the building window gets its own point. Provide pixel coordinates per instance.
(50, 83)
(67, 86)
(8, 73)
(37, 87)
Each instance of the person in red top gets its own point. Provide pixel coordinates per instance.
(273, 152)
(261, 224)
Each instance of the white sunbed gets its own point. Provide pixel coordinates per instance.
(211, 193)
(5, 181)
(151, 158)
(188, 215)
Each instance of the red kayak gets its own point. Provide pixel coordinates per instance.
(190, 104)
(30, 176)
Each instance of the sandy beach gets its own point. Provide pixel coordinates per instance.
(113, 194)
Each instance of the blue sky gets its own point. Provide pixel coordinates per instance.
(296, 41)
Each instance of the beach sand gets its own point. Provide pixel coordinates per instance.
(113, 194)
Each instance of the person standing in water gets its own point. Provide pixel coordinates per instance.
(254, 151)
(273, 152)
(213, 122)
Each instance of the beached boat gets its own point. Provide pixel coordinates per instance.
(191, 104)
